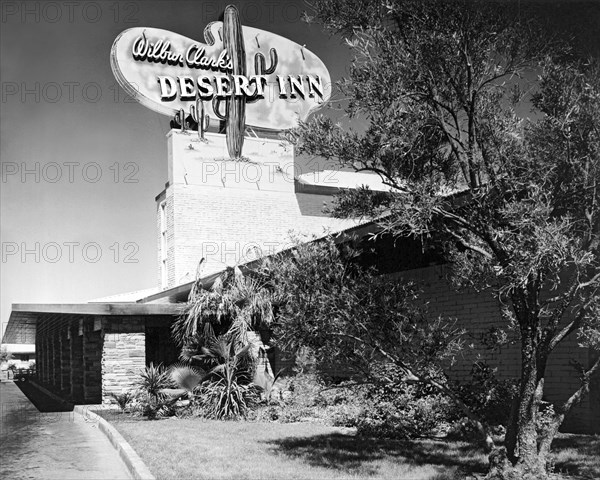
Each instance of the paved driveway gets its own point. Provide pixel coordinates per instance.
(61, 445)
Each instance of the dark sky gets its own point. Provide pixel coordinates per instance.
(62, 106)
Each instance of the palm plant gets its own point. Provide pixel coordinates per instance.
(228, 392)
(154, 400)
(153, 380)
(235, 305)
(186, 376)
(123, 399)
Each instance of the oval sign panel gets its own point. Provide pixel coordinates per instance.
(277, 81)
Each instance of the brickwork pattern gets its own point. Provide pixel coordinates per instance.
(123, 355)
(40, 364)
(65, 363)
(56, 374)
(226, 225)
(478, 312)
(92, 362)
(232, 211)
(76, 360)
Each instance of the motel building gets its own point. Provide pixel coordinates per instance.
(235, 192)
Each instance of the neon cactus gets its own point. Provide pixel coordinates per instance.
(180, 119)
(260, 63)
(260, 68)
(197, 114)
(235, 107)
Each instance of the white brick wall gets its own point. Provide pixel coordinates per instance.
(216, 208)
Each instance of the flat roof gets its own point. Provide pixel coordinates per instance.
(180, 293)
(24, 317)
(100, 308)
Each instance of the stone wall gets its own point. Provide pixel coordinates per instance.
(92, 361)
(65, 363)
(123, 354)
(76, 359)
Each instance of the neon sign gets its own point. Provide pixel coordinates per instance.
(242, 76)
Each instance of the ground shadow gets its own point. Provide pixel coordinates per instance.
(42, 401)
(577, 455)
(350, 453)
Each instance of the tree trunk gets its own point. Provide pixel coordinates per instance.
(521, 457)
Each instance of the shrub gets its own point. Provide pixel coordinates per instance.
(153, 380)
(301, 399)
(545, 417)
(463, 429)
(155, 407)
(123, 399)
(186, 376)
(152, 401)
(487, 397)
(227, 393)
(407, 415)
(305, 397)
(397, 408)
(391, 408)
(225, 399)
(346, 414)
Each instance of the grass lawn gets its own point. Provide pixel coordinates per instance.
(203, 449)
(196, 448)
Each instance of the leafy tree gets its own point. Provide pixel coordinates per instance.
(363, 323)
(224, 321)
(514, 202)
(236, 306)
(5, 355)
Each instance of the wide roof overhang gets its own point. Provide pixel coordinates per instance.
(24, 317)
(180, 293)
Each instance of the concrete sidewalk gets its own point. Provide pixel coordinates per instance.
(61, 445)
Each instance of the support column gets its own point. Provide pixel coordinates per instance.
(92, 363)
(65, 362)
(38, 353)
(123, 355)
(50, 360)
(47, 359)
(76, 363)
(56, 371)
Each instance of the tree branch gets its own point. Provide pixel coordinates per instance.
(582, 390)
(465, 244)
(489, 442)
(565, 331)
